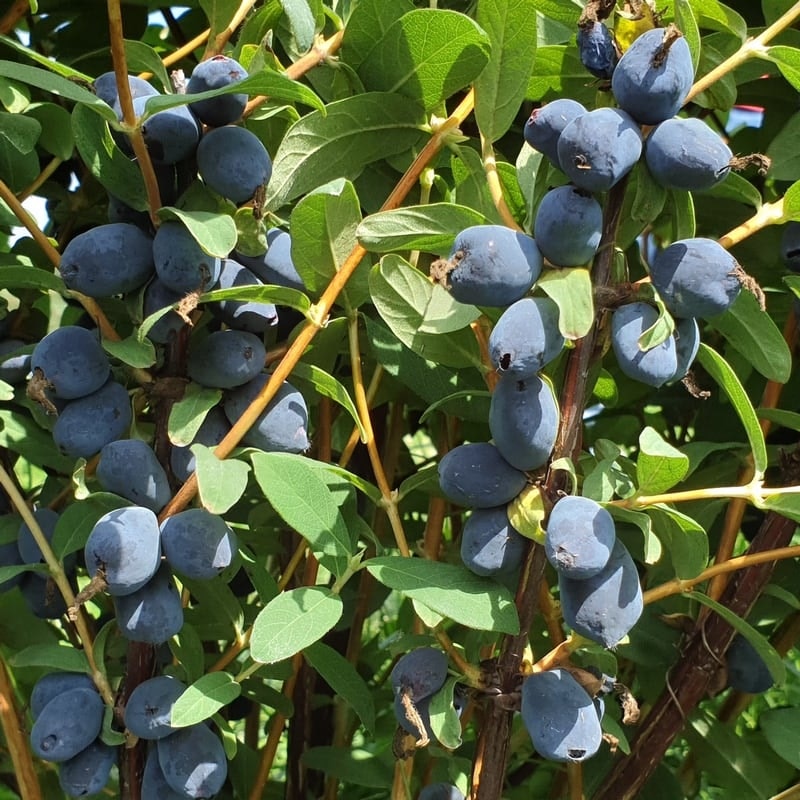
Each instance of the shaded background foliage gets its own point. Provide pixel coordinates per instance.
(432, 393)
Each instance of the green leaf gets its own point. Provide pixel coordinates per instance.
(450, 590)
(21, 435)
(500, 88)
(142, 58)
(187, 415)
(323, 227)
(401, 295)
(251, 232)
(737, 188)
(768, 653)
(20, 131)
(687, 24)
(301, 22)
(786, 58)
(215, 233)
(683, 538)
(187, 648)
(713, 14)
(54, 656)
(278, 295)
(791, 202)
(444, 314)
(203, 699)
(784, 153)
(132, 351)
(721, 372)
(786, 419)
(6, 573)
(571, 290)
(221, 483)
(445, 723)
(112, 168)
(558, 72)
(644, 201)
(305, 502)
(427, 55)
(352, 765)
(277, 86)
(659, 466)
(470, 179)
(353, 133)
(56, 136)
(781, 727)
(345, 681)
(756, 337)
(652, 549)
(787, 505)
(30, 278)
(681, 209)
(77, 520)
(366, 25)
(215, 612)
(566, 11)
(293, 621)
(57, 85)
(18, 170)
(49, 63)
(327, 386)
(432, 228)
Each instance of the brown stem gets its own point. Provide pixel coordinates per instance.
(690, 678)
(489, 764)
(16, 740)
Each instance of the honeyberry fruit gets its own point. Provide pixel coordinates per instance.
(149, 708)
(440, 791)
(417, 721)
(687, 343)
(10, 557)
(579, 538)
(476, 476)
(171, 135)
(526, 337)
(158, 295)
(687, 154)
(42, 596)
(87, 772)
(606, 606)
(654, 76)
(696, 278)
(568, 226)
(72, 362)
(790, 245)
(597, 49)
(545, 124)
(523, 419)
(282, 426)
(226, 359)
(153, 613)
(233, 162)
(597, 149)
(107, 260)
(560, 716)
(197, 543)
(211, 432)
(244, 315)
(747, 671)
(154, 784)
(29, 550)
(653, 367)
(215, 73)
(85, 425)
(125, 544)
(421, 672)
(54, 684)
(489, 265)
(490, 545)
(69, 723)
(181, 264)
(193, 761)
(130, 468)
(14, 365)
(275, 266)
(105, 87)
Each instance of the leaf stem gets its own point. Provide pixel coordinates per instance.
(754, 492)
(750, 48)
(679, 585)
(61, 581)
(128, 115)
(322, 309)
(388, 496)
(495, 186)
